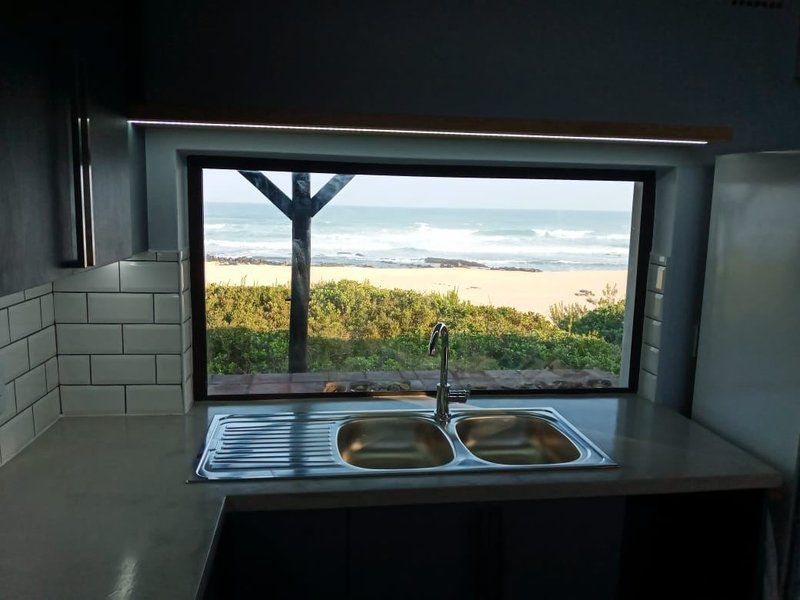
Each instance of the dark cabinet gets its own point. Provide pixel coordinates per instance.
(286, 554)
(558, 549)
(107, 83)
(701, 545)
(56, 70)
(561, 549)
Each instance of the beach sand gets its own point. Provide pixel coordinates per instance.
(518, 289)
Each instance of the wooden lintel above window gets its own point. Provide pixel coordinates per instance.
(443, 125)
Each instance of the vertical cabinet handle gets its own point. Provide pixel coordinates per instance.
(82, 172)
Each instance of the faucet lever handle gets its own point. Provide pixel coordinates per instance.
(459, 395)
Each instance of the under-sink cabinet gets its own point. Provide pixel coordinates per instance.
(674, 546)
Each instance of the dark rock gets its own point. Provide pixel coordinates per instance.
(454, 262)
(244, 260)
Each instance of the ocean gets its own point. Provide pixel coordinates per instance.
(550, 240)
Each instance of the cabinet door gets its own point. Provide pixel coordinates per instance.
(429, 551)
(561, 549)
(36, 226)
(282, 554)
(107, 78)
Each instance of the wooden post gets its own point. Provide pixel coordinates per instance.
(301, 273)
(301, 293)
(300, 209)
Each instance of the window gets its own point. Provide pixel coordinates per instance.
(327, 278)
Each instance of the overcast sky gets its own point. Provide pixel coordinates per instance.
(446, 192)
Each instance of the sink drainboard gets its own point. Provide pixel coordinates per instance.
(300, 445)
(258, 446)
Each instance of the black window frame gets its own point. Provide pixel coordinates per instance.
(197, 163)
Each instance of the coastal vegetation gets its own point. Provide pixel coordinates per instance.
(358, 326)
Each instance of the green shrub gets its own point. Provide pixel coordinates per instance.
(606, 321)
(566, 315)
(354, 310)
(242, 350)
(356, 326)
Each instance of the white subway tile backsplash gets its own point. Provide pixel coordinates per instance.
(30, 387)
(185, 275)
(142, 256)
(93, 399)
(48, 311)
(652, 332)
(187, 364)
(186, 334)
(168, 368)
(89, 339)
(5, 334)
(42, 346)
(654, 306)
(74, 370)
(10, 408)
(154, 399)
(101, 279)
(39, 290)
(120, 308)
(24, 318)
(14, 359)
(70, 308)
(186, 305)
(102, 341)
(51, 373)
(647, 385)
(15, 298)
(121, 369)
(168, 308)
(650, 359)
(16, 434)
(149, 277)
(46, 411)
(188, 394)
(656, 276)
(658, 259)
(152, 339)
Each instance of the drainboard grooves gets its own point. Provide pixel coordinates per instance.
(261, 445)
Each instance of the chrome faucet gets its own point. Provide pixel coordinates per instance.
(444, 395)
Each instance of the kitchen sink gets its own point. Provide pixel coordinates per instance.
(404, 441)
(393, 443)
(515, 440)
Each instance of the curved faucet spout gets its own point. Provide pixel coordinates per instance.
(439, 329)
(443, 396)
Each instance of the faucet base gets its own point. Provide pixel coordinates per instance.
(442, 414)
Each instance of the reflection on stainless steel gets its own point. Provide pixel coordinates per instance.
(443, 393)
(516, 440)
(327, 444)
(393, 443)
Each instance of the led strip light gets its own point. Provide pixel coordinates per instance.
(464, 134)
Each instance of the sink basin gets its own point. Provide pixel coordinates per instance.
(288, 445)
(515, 440)
(393, 443)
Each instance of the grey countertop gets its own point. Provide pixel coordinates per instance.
(99, 507)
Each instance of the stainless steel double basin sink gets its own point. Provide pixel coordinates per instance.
(292, 445)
